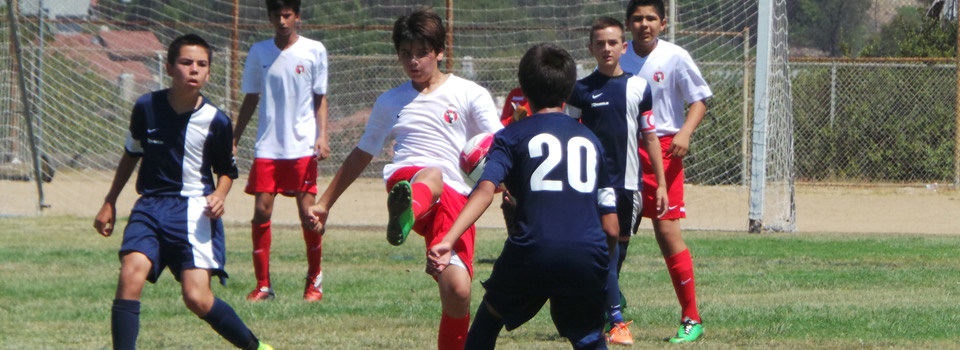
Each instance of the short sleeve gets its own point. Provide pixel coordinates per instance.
(320, 67)
(252, 73)
(647, 124)
(378, 127)
(606, 197)
(136, 132)
(223, 161)
(499, 161)
(483, 113)
(691, 83)
(576, 98)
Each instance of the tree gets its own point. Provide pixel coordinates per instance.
(912, 34)
(836, 27)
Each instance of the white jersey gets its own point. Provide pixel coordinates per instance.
(674, 79)
(430, 130)
(286, 81)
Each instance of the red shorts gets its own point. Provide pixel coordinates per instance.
(673, 171)
(435, 223)
(283, 176)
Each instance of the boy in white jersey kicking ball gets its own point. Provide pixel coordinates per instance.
(176, 223)
(675, 80)
(289, 72)
(616, 106)
(431, 117)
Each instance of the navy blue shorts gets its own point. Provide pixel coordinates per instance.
(173, 232)
(573, 278)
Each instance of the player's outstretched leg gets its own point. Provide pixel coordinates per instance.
(400, 211)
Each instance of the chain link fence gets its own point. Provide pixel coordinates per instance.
(874, 122)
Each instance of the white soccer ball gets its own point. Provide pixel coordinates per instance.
(473, 157)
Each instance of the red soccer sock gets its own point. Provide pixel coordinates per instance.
(314, 251)
(261, 253)
(680, 266)
(422, 198)
(453, 332)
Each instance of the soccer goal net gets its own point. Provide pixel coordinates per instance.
(84, 62)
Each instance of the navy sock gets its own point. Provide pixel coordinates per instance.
(621, 254)
(125, 323)
(484, 330)
(613, 290)
(226, 322)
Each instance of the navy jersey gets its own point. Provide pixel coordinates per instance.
(618, 110)
(553, 168)
(179, 150)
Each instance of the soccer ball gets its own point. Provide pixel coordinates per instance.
(473, 157)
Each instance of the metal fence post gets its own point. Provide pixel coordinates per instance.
(745, 125)
(956, 108)
(18, 56)
(833, 93)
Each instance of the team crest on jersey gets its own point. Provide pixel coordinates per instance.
(300, 68)
(658, 77)
(451, 116)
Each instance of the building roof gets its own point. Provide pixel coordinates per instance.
(131, 43)
(87, 50)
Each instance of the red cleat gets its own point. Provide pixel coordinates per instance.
(313, 291)
(262, 293)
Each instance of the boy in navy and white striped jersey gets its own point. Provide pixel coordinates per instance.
(183, 140)
(617, 107)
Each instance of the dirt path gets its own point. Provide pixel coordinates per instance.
(819, 209)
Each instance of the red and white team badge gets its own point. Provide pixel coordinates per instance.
(658, 76)
(300, 68)
(451, 115)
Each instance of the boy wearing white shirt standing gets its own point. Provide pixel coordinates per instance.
(674, 80)
(287, 77)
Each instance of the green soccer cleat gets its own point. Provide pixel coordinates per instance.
(400, 211)
(689, 331)
(264, 346)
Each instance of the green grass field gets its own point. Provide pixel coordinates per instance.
(785, 291)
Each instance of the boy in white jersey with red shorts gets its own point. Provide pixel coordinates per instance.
(674, 80)
(430, 117)
(289, 72)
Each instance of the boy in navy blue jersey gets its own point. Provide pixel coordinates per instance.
(566, 214)
(617, 106)
(181, 137)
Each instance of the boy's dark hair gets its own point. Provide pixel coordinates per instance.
(604, 23)
(547, 74)
(422, 25)
(173, 51)
(277, 5)
(634, 4)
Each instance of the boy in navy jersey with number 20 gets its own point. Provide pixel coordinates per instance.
(566, 214)
(181, 137)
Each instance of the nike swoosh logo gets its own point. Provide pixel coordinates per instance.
(150, 131)
(672, 208)
(684, 282)
(597, 95)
